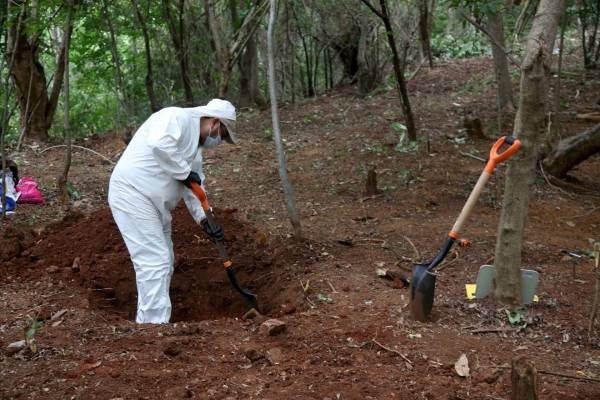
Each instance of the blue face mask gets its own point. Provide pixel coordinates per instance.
(212, 141)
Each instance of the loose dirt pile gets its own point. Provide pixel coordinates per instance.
(90, 252)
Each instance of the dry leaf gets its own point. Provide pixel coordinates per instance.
(462, 366)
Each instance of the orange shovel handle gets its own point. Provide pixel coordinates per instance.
(201, 195)
(496, 158)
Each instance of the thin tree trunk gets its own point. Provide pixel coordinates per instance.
(63, 179)
(292, 51)
(287, 187)
(424, 24)
(554, 134)
(505, 99)
(398, 68)
(177, 36)
(529, 128)
(248, 64)
(596, 302)
(593, 36)
(154, 104)
(121, 90)
(583, 14)
(10, 60)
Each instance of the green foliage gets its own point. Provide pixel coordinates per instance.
(268, 135)
(73, 193)
(32, 327)
(459, 46)
(515, 316)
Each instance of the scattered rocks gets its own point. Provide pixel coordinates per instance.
(275, 356)
(288, 308)
(172, 350)
(15, 347)
(272, 327)
(76, 266)
(462, 366)
(58, 314)
(490, 376)
(53, 269)
(251, 314)
(253, 354)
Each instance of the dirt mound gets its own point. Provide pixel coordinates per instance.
(90, 252)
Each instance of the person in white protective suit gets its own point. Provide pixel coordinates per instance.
(153, 174)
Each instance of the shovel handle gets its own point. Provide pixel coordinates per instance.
(496, 158)
(201, 195)
(210, 218)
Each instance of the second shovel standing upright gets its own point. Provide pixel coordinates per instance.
(422, 284)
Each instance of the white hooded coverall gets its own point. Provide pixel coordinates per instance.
(144, 188)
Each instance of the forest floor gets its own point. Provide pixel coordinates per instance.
(349, 334)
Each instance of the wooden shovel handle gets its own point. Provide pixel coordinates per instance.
(495, 159)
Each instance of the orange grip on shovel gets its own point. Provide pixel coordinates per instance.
(495, 158)
(201, 195)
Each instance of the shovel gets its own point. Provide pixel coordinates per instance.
(227, 263)
(422, 284)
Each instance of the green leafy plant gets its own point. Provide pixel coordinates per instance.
(31, 328)
(455, 46)
(516, 316)
(268, 135)
(73, 193)
(404, 145)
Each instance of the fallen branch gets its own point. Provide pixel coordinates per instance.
(493, 330)
(331, 286)
(559, 374)
(82, 148)
(413, 246)
(464, 153)
(392, 351)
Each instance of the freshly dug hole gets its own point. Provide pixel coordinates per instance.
(199, 289)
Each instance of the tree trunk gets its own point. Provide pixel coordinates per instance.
(347, 50)
(177, 37)
(398, 68)
(524, 380)
(367, 77)
(573, 150)
(250, 94)
(121, 90)
(30, 79)
(287, 187)
(496, 29)
(154, 103)
(63, 179)
(249, 90)
(424, 17)
(529, 128)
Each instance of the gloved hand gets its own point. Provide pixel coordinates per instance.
(216, 233)
(192, 177)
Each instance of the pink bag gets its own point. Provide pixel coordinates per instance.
(30, 194)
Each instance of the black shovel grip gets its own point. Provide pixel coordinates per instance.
(444, 250)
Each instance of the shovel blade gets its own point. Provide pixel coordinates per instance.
(422, 289)
(250, 297)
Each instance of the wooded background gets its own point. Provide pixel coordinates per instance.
(129, 58)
